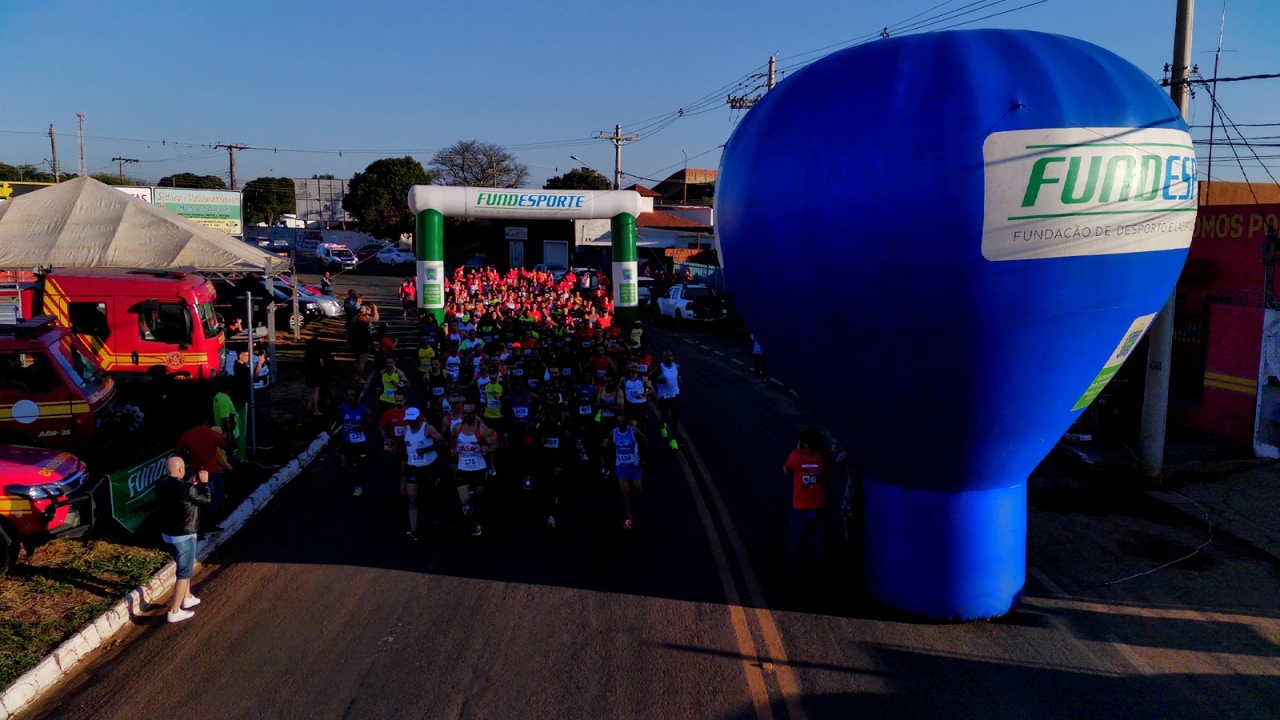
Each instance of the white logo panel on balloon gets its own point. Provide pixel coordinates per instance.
(1069, 192)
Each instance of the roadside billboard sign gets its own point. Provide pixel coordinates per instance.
(216, 209)
(142, 193)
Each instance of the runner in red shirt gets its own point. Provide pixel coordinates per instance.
(807, 466)
(392, 425)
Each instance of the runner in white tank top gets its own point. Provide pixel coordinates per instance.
(667, 375)
(471, 442)
(420, 462)
(636, 391)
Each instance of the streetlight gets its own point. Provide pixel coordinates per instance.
(685, 201)
(583, 164)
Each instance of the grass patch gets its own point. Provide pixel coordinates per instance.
(23, 644)
(60, 589)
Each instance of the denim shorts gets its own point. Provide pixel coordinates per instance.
(183, 551)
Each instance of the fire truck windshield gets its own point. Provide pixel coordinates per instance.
(81, 368)
(208, 319)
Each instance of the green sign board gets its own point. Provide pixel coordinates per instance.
(216, 209)
(133, 491)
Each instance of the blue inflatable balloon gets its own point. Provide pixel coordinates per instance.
(949, 242)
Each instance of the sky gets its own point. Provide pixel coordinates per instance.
(326, 87)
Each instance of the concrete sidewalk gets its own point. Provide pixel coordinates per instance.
(1240, 494)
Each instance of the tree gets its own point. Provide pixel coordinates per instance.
(323, 177)
(114, 179)
(191, 180)
(471, 163)
(377, 197)
(579, 179)
(266, 199)
(26, 173)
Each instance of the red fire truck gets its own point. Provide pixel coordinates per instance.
(137, 322)
(53, 392)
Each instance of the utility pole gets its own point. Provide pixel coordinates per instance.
(231, 151)
(84, 170)
(618, 141)
(1155, 400)
(744, 102)
(53, 143)
(122, 161)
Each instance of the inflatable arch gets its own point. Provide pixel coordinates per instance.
(431, 203)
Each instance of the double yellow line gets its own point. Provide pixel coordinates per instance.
(753, 618)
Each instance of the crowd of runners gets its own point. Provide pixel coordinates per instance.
(527, 385)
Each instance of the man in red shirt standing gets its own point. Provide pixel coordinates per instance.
(200, 446)
(807, 466)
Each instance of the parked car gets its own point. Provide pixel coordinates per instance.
(46, 494)
(335, 258)
(309, 300)
(395, 256)
(232, 300)
(368, 251)
(644, 291)
(692, 302)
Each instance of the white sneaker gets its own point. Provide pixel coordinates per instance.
(190, 602)
(180, 616)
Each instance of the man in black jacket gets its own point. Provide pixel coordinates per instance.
(180, 499)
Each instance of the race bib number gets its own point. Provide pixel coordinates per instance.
(520, 412)
(600, 373)
(422, 460)
(471, 462)
(551, 443)
(518, 372)
(437, 391)
(628, 458)
(607, 412)
(643, 367)
(389, 393)
(584, 409)
(533, 382)
(494, 404)
(809, 479)
(355, 437)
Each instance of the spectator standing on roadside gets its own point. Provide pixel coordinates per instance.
(760, 363)
(807, 466)
(326, 284)
(180, 499)
(201, 445)
(317, 370)
(224, 410)
(351, 307)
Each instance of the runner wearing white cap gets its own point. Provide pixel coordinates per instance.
(420, 463)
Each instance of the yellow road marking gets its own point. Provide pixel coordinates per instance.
(787, 681)
(741, 631)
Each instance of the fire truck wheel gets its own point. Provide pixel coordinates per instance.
(128, 418)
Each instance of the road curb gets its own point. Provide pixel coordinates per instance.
(37, 681)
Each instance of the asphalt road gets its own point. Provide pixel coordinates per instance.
(321, 609)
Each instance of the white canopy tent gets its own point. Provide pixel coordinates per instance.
(86, 223)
